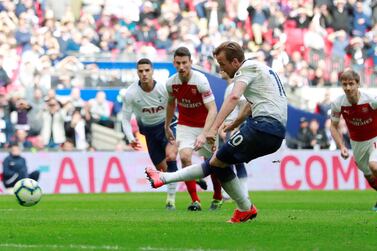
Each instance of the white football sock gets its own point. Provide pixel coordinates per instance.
(237, 193)
(171, 190)
(245, 186)
(192, 172)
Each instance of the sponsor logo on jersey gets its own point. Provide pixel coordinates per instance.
(152, 110)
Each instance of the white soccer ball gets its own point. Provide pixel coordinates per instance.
(27, 192)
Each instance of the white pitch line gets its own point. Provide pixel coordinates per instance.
(55, 246)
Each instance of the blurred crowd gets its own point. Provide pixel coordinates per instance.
(43, 44)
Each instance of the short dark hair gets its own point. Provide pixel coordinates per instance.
(349, 74)
(144, 61)
(182, 52)
(232, 50)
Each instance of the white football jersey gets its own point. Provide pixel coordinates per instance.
(264, 90)
(233, 115)
(148, 107)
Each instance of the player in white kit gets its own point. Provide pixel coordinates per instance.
(225, 132)
(262, 134)
(359, 110)
(147, 99)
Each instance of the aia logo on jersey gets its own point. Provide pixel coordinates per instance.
(152, 110)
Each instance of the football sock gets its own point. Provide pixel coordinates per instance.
(171, 190)
(185, 174)
(237, 193)
(172, 166)
(241, 170)
(244, 185)
(191, 188)
(216, 187)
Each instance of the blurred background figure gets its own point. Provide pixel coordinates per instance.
(15, 168)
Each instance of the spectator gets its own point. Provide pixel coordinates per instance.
(4, 78)
(22, 110)
(303, 136)
(15, 168)
(100, 110)
(20, 138)
(361, 22)
(342, 16)
(77, 131)
(35, 115)
(67, 146)
(53, 132)
(317, 136)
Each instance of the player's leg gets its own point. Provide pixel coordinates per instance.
(156, 144)
(245, 145)
(186, 137)
(186, 156)
(217, 198)
(365, 156)
(242, 176)
(171, 162)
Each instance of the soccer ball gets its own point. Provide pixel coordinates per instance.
(27, 192)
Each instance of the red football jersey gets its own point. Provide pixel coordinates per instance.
(191, 98)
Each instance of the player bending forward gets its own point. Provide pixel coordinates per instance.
(262, 133)
(359, 110)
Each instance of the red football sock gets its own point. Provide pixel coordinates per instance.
(216, 187)
(191, 188)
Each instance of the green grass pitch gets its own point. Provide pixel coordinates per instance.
(309, 220)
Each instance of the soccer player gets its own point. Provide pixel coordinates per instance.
(359, 110)
(262, 134)
(147, 99)
(225, 135)
(189, 90)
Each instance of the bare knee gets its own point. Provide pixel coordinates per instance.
(186, 157)
(171, 156)
(216, 162)
(171, 152)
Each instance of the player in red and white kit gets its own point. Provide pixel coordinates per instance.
(189, 90)
(359, 111)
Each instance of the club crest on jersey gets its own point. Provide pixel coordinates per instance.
(152, 110)
(194, 91)
(365, 109)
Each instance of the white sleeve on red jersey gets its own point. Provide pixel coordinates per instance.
(169, 85)
(373, 101)
(204, 88)
(335, 109)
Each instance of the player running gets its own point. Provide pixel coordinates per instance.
(147, 99)
(262, 134)
(190, 91)
(359, 111)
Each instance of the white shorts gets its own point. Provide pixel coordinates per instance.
(365, 152)
(186, 137)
